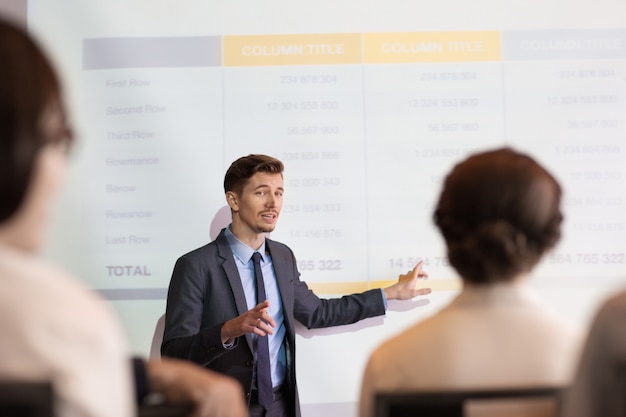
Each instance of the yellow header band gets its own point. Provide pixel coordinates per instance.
(382, 48)
(276, 50)
(368, 48)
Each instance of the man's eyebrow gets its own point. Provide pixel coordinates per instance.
(267, 186)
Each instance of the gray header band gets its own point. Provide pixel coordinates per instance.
(109, 53)
(564, 44)
(134, 293)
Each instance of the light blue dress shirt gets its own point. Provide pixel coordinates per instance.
(243, 259)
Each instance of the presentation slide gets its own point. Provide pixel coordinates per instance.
(368, 104)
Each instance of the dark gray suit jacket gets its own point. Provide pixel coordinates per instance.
(205, 291)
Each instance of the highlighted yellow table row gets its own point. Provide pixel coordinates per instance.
(321, 288)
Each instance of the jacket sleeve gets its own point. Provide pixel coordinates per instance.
(314, 312)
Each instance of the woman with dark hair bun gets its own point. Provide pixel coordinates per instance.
(499, 213)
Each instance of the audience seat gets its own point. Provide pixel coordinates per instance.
(528, 402)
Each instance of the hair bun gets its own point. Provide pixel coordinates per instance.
(493, 251)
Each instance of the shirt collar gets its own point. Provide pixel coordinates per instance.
(242, 251)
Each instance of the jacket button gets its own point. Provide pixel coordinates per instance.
(249, 363)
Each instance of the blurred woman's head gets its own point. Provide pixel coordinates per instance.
(499, 212)
(33, 129)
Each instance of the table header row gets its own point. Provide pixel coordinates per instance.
(353, 48)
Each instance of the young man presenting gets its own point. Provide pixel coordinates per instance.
(213, 316)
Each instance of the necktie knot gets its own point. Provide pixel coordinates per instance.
(256, 258)
(258, 276)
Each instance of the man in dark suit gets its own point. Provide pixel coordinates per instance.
(213, 317)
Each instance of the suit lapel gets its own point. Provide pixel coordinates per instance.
(283, 268)
(232, 275)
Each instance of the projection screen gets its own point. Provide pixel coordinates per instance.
(369, 104)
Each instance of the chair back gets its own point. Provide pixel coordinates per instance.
(26, 399)
(524, 402)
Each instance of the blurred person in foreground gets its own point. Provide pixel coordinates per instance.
(499, 213)
(599, 387)
(53, 328)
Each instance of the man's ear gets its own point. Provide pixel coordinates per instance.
(232, 200)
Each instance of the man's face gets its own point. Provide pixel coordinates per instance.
(258, 206)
